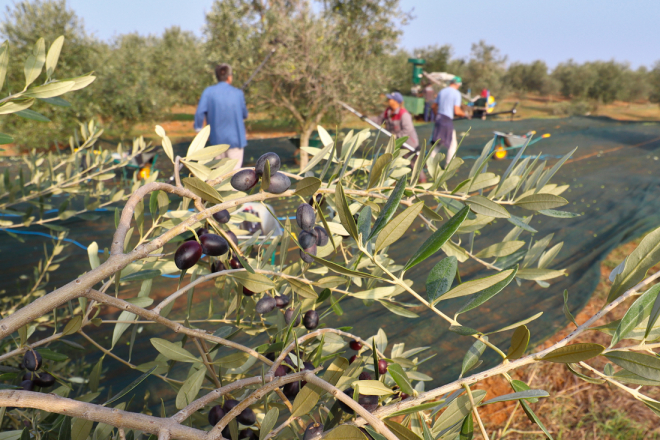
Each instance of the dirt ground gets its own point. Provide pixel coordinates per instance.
(528, 107)
(575, 409)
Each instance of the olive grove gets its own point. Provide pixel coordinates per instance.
(293, 374)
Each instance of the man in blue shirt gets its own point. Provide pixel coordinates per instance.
(223, 107)
(446, 106)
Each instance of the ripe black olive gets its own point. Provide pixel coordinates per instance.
(244, 180)
(265, 305)
(274, 160)
(319, 200)
(305, 217)
(247, 292)
(44, 380)
(229, 405)
(32, 360)
(321, 236)
(27, 385)
(281, 371)
(247, 417)
(382, 366)
(311, 319)
(281, 301)
(216, 414)
(355, 345)
(279, 183)
(247, 434)
(364, 376)
(313, 431)
(187, 255)
(222, 216)
(288, 317)
(291, 390)
(214, 245)
(235, 263)
(304, 254)
(306, 239)
(370, 403)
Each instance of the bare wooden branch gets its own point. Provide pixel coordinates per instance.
(89, 411)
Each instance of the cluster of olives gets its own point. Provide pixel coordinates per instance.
(190, 251)
(290, 390)
(246, 179)
(32, 362)
(311, 236)
(267, 304)
(247, 417)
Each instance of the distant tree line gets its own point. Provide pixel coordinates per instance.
(600, 81)
(140, 78)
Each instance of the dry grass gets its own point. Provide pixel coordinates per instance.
(531, 106)
(576, 409)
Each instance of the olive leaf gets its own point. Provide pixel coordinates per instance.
(474, 286)
(644, 257)
(574, 353)
(255, 282)
(519, 342)
(190, 388)
(172, 351)
(269, 421)
(345, 215)
(307, 187)
(538, 202)
(641, 364)
(390, 207)
(202, 189)
(401, 378)
(439, 238)
(441, 278)
(398, 226)
(484, 206)
(489, 292)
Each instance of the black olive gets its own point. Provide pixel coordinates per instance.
(305, 217)
(214, 245)
(187, 255)
(265, 305)
(278, 183)
(274, 160)
(216, 414)
(311, 319)
(222, 216)
(244, 180)
(32, 360)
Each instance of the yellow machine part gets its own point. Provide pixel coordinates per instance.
(490, 105)
(145, 172)
(500, 153)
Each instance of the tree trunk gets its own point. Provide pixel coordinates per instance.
(304, 142)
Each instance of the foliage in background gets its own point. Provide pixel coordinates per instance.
(324, 51)
(23, 25)
(353, 52)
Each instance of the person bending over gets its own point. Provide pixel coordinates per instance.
(397, 120)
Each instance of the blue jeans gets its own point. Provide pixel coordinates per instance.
(429, 114)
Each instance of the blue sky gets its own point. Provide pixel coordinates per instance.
(525, 30)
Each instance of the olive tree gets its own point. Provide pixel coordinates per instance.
(25, 23)
(248, 368)
(320, 52)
